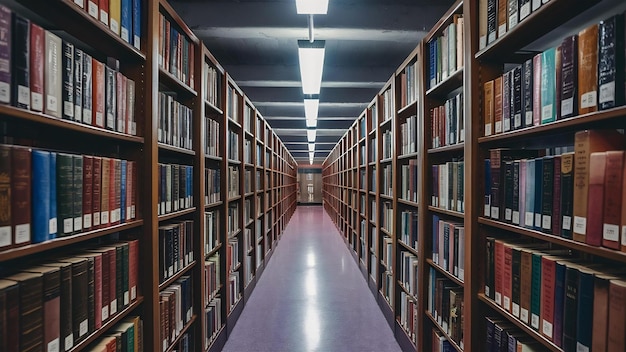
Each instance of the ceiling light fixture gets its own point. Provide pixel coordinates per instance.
(310, 135)
(311, 147)
(311, 161)
(311, 155)
(311, 107)
(311, 57)
(312, 7)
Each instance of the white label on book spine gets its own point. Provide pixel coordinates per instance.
(491, 37)
(501, 30)
(546, 112)
(87, 220)
(51, 103)
(495, 212)
(171, 271)
(529, 118)
(78, 223)
(132, 212)
(83, 327)
(115, 26)
(69, 342)
(624, 235)
(482, 42)
(99, 119)
(5, 90)
(610, 232)
(87, 116)
(137, 42)
(93, 9)
(607, 92)
(78, 113)
(105, 313)
(534, 321)
(524, 11)
(523, 314)
(507, 124)
(528, 220)
(516, 217)
(507, 303)
(5, 236)
(536, 4)
(567, 106)
(104, 17)
(68, 225)
(567, 222)
(133, 292)
(105, 217)
(508, 214)
(54, 345)
(512, 20)
(588, 99)
(37, 101)
(546, 222)
(125, 34)
(499, 298)
(114, 306)
(126, 297)
(487, 210)
(80, 3)
(498, 126)
(547, 328)
(580, 225)
(23, 95)
(581, 348)
(516, 309)
(488, 129)
(22, 233)
(96, 219)
(538, 220)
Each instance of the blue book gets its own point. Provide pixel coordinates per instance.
(433, 62)
(548, 86)
(123, 192)
(436, 239)
(559, 302)
(189, 186)
(529, 190)
(584, 327)
(137, 24)
(52, 227)
(487, 210)
(41, 195)
(126, 19)
(538, 188)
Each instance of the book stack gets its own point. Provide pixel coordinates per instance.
(211, 84)
(175, 310)
(212, 137)
(448, 186)
(446, 52)
(408, 85)
(176, 52)
(409, 177)
(409, 228)
(448, 246)
(408, 315)
(445, 304)
(175, 248)
(234, 293)
(387, 181)
(408, 135)
(503, 335)
(175, 188)
(211, 228)
(212, 186)
(408, 272)
(175, 122)
(447, 122)
(212, 277)
(126, 336)
(123, 17)
(387, 106)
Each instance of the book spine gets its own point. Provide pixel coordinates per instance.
(507, 278)
(548, 86)
(611, 62)
(37, 63)
(96, 198)
(569, 87)
(40, 195)
(126, 20)
(537, 85)
(6, 237)
(137, 24)
(588, 69)
(87, 192)
(115, 14)
(78, 85)
(120, 125)
(496, 183)
(21, 169)
(492, 21)
(613, 199)
(516, 95)
(535, 292)
(570, 309)
(53, 75)
(88, 92)
(595, 202)
(52, 220)
(527, 93)
(110, 98)
(559, 302)
(525, 285)
(97, 287)
(104, 193)
(498, 271)
(538, 190)
(556, 197)
(5, 55)
(498, 109)
(516, 262)
(508, 191)
(584, 329)
(20, 94)
(77, 195)
(547, 197)
(489, 107)
(548, 272)
(68, 80)
(80, 314)
(98, 93)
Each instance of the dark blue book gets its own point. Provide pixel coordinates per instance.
(570, 308)
(489, 345)
(538, 193)
(137, 24)
(127, 20)
(446, 246)
(432, 69)
(584, 326)
(41, 195)
(123, 199)
(52, 227)
(559, 302)
(436, 239)
(487, 206)
(535, 290)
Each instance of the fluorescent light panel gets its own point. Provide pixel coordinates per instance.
(311, 107)
(311, 57)
(312, 7)
(311, 155)
(310, 135)
(311, 147)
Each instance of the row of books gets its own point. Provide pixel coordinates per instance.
(233, 145)
(408, 315)
(408, 228)
(387, 107)
(447, 122)
(175, 309)
(212, 186)
(386, 145)
(78, 192)
(126, 335)
(408, 135)
(247, 151)
(61, 301)
(212, 84)
(580, 76)
(213, 320)
(234, 286)
(448, 246)
(409, 177)
(212, 280)
(445, 52)
(445, 303)
(175, 248)
(504, 336)
(497, 17)
(232, 107)
(175, 122)
(211, 230)
(408, 85)
(448, 186)
(123, 17)
(372, 150)
(248, 115)
(233, 219)
(408, 274)
(386, 188)
(233, 181)
(44, 73)
(176, 52)
(569, 300)
(386, 216)
(440, 343)
(213, 137)
(175, 188)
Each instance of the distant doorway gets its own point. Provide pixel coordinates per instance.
(310, 186)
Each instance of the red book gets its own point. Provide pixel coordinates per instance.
(20, 195)
(600, 312)
(617, 316)
(133, 267)
(613, 179)
(595, 203)
(129, 189)
(105, 279)
(114, 207)
(6, 237)
(9, 298)
(98, 82)
(87, 191)
(37, 62)
(96, 188)
(104, 11)
(537, 90)
(120, 81)
(104, 193)
(499, 271)
(548, 273)
(92, 8)
(442, 125)
(507, 278)
(118, 190)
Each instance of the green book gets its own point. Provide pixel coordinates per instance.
(548, 86)
(65, 194)
(535, 291)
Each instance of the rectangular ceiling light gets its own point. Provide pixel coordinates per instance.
(310, 135)
(311, 155)
(311, 57)
(311, 147)
(312, 7)
(311, 107)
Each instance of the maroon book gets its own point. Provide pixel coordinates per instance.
(96, 188)
(9, 305)
(5, 55)
(595, 203)
(87, 192)
(613, 202)
(6, 237)
(37, 62)
(20, 195)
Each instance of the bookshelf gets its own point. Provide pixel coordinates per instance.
(172, 148)
(459, 235)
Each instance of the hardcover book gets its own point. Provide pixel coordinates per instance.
(5, 55)
(588, 69)
(548, 86)
(611, 62)
(20, 94)
(569, 78)
(21, 170)
(53, 75)
(613, 201)
(68, 81)
(37, 63)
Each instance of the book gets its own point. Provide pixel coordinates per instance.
(548, 274)
(77, 192)
(588, 69)
(92, 8)
(617, 316)
(67, 95)
(87, 199)
(53, 75)
(78, 85)
(31, 310)
(126, 13)
(570, 310)
(489, 106)
(611, 61)
(600, 320)
(51, 305)
(80, 289)
(498, 102)
(98, 88)
(569, 78)
(137, 24)
(502, 19)
(537, 87)
(110, 98)
(40, 195)
(21, 216)
(96, 197)
(513, 13)
(6, 233)
(115, 14)
(547, 195)
(9, 304)
(20, 60)
(65, 190)
(567, 194)
(103, 6)
(5, 55)
(492, 21)
(88, 91)
(584, 327)
(37, 63)
(120, 100)
(548, 86)
(65, 317)
(52, 223)
(528, 96)
(613, 203)
(482, 23)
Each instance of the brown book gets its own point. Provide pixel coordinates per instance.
(87, 192)
(96, 199)
(498, 104)
(133, 268)
(588, 69)
(20, 195)
(117, 190)
(482, 24)
(97, 287)
(104, 192)
(623, 216)
(105, 294)
(595, 198)
(80, 297)
(6, 234)
(31, 310)
(613, 180)
(502, 17)
(9, 314)
(525, 284)
(600, 312)
(585, 143)
(617, 316)
(98, 84)
(51, 305)
(488, 108)
(37, 63)
(65, 316)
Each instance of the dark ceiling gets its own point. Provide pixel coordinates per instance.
(256, 42)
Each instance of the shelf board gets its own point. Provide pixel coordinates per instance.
(213, 251)
(445, 334)
(176, 214)
(408, 202)
(569, 124)
(385, 122)
(232, 161)
(408, 156)
(549, 16)
(213, 157)
(49, 120)
(408, 248)
(579, 246)
(446, 212)
(384, 196)
(406, 109)
(174, 343)
(446, 273)
(234, 199)
(30, 249)
(527, 329)
(447, 149)
(108, 325)
(386, 160)
(406, 290)
(233, 122)
(213, 205)
(212, 107)
(443, 88)
(173, 82)
(179, 150)
(176, 276)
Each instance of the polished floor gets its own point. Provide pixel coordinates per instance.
(311, 296)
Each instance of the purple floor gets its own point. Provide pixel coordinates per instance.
(311, 296)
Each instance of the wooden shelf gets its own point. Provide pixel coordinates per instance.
(177, 275)
(212, 108)
(176, 214)
(406, 110)
(174, 343)
(445, 334)
(446, 273)
(213, 205)
(172, 82)
(442, 89)
(214, 158)
(19, 252)
(408, 248)
(457, 148)
(177, 150)
(408, 202)
(456, 214)
(213, 251)
(408, 156)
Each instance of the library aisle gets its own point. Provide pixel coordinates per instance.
(311, 297)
